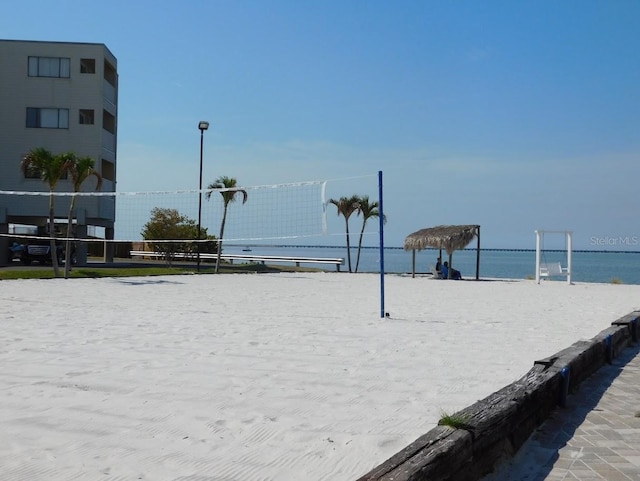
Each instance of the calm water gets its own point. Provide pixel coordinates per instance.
(588, 266)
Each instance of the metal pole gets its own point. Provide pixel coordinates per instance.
(538, 234)
(569, 254)
(200, 198)
(381, 219)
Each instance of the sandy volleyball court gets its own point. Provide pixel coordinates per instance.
(261, 377)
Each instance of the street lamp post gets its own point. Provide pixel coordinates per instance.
(203, 125)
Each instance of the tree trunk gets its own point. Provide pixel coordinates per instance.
(360, 244)
(52, 242)
(224, 220)
(67, 249)
(348, 245)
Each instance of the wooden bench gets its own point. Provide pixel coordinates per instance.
(337, 261)
(553, 269)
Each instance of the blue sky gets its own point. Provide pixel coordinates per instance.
(515, 115)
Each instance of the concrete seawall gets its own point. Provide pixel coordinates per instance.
(495, 427)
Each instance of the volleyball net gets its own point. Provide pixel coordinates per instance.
(298, 212)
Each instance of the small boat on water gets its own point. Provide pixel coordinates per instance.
(246, 249)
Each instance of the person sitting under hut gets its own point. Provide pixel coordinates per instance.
(454, 273)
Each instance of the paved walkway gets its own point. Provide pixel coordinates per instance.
(596, 437)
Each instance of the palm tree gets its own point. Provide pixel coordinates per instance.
(230, 186)
(80, 170)
(347, 206)
(50, 168)
(368, 211)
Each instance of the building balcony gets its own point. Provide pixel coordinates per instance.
(108, 141)
(110, 95)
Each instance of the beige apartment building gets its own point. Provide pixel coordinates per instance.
(62, 96)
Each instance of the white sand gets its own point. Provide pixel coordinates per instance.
(261, 377)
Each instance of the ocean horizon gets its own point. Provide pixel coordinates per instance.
(601, 266)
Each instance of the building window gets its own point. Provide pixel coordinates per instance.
(47, 118)
(87, 65)
(49, 67)
(34, 173)
(86, 117)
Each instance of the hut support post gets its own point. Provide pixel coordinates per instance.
(413, 263)
(478, 255)
(450, 265)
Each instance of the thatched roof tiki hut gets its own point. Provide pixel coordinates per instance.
(447, 237)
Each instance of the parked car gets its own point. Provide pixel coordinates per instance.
(40, 251)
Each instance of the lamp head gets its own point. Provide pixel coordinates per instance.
(203, 125)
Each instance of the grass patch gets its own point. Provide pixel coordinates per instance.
(455, 421)
(80, 272)
(95, 271)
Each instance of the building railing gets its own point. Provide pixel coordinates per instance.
(108, 141)
(109, 92)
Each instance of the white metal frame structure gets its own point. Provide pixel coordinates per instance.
(549, 270)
